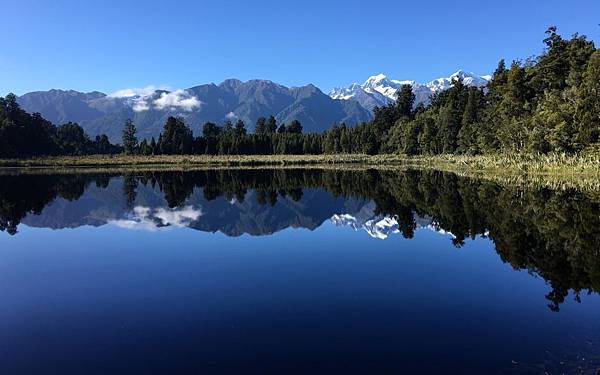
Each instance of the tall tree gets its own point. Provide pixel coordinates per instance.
(129, 137)
(176, 137)
(588, 106)
(271, 125)
(72, 140)
(261, 125)
(294, 127)
(211, 133)
(405, 101)
(240, 128)
(153, 148)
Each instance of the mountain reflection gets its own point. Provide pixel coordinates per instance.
(553, 234)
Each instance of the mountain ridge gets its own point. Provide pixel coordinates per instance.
(149, 107)
(100, 113)
(379, 90)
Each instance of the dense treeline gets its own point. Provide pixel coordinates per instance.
(23, 135)
(546, 104)
(550, 103)
(550, 233)
(229, 139)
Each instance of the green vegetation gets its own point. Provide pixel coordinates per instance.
(26, 135)
(546, 104)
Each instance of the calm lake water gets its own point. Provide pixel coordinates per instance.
(295, 271)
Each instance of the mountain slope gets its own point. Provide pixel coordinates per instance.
(99, 113)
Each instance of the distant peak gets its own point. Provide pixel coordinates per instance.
(462, 73)
(231, 81)
(381, 90)
(376, 78)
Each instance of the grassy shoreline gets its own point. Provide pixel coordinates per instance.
(495, 163)
(194, 160)
(555, 171)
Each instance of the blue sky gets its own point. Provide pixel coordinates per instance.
(112, 45)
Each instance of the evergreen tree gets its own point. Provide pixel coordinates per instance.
(129, 138)
(102, 145)
(428, 137)
(72, 140)
(176, 137)
(240, 128)
(144, 148)
(450, 116)
(211, 133)
(153, 148)
(271, 126)
(227, 127)
(22, 134)
(294, 127)
(261, 125)
(467, 135)
(587, 115)
(405, 101)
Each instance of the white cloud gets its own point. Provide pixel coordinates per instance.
(141, 99)
(147, 219)
(177, 99)
(135, 225)
(138, 91)
(178, 217)
(140, 105)
(231, 116)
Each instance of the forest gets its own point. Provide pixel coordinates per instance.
(549, 103)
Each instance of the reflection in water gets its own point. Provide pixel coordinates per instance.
(146, 218)
(553, 234)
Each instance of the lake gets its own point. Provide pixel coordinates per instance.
(295, 271)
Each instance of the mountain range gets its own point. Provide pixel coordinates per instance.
(379, 90)
(100, 113)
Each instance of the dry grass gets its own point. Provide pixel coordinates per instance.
(196, 160)
(512, 163)
(555, 170)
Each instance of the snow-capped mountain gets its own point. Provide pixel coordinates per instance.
(379, 90)
(379, 226)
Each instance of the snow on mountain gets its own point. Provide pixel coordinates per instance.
(379, 226)
(467, 78)
(379, 90)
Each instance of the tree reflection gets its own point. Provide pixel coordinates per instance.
(553, 234)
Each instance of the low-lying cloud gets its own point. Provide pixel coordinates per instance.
(177, 99)
(137, 91)
(145, 98)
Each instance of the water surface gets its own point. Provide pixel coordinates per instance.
(283, 271)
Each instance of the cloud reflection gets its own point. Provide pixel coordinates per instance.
(149, 219)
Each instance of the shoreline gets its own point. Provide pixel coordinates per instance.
(514, 164)
(555, 171)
